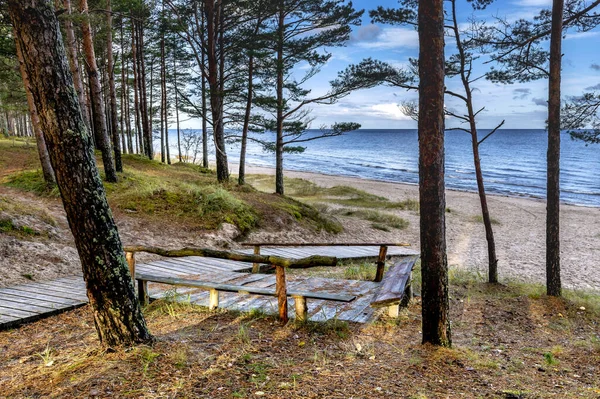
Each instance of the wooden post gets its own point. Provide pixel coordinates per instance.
(300, 305)
(281, 291)
(381, 263)
(213, 301)
(256, 266)
(394, 310)
(143, 292)
(130, 257)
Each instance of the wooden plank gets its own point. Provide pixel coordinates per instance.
(8, 308)
(75, 293)
(148, 268)
(40, 299)
(6, 319)
(251, 301)
(198, 267)
(195, 265)
(77, 287)
(180, 269)
(175, 267)
(15, 302)
(213, 264)
(365, 293)
(207, 285)
(394, 283)
(225, 264)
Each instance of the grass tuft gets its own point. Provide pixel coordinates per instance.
(33, 181)
(479, 219)
(381, 220)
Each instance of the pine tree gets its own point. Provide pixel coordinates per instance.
(117, 314)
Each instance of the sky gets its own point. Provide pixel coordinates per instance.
(520, 105)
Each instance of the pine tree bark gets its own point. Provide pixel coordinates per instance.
(553, 283)
(100, 128)
(112, 90)
(166, 108)
(163, 157)
(122, 96)
(136, 89)
(250, 88)
(204, 107)
(146, 119)
(73, 60)
(213, 27)
(177, 109)
(280, 102)
(434, 264)
(117, 314)
(47, 170)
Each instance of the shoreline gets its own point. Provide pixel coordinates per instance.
(488, 193)
(519, 230)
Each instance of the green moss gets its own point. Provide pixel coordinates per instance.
(8, 227)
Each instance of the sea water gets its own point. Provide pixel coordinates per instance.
(513, 161)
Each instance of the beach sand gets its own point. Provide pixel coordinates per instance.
(519, 233)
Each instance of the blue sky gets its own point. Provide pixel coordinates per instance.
(520, 105)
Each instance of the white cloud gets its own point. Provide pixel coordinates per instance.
(393, 38)
(389, 111)
(581, 35)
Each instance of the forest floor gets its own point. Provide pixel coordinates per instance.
(509, 341)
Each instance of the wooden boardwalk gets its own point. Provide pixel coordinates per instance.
(32, 301)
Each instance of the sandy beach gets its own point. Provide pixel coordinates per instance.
(519, 233)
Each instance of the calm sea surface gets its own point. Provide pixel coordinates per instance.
(513, 161)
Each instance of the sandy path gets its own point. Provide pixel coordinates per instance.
(520, 234)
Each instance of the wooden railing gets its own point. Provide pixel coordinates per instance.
(383, 247)
(280, 264)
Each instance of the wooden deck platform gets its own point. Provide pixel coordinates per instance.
(32, 301)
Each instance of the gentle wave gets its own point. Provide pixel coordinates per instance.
(513, 161)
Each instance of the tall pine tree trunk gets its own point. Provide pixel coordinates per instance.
(216, 94)
(434, 264)
(553, 284)
(136, 89)
(73, 60)
(485, 213)
(242, 170)
(112, 90)
(47, 170)
(280, 102)
(117, 314)
(204, 107)
(130, 145)
(146, 119)
(100, 127)
(177, 108)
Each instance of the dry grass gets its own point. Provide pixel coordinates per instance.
(502, 343)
